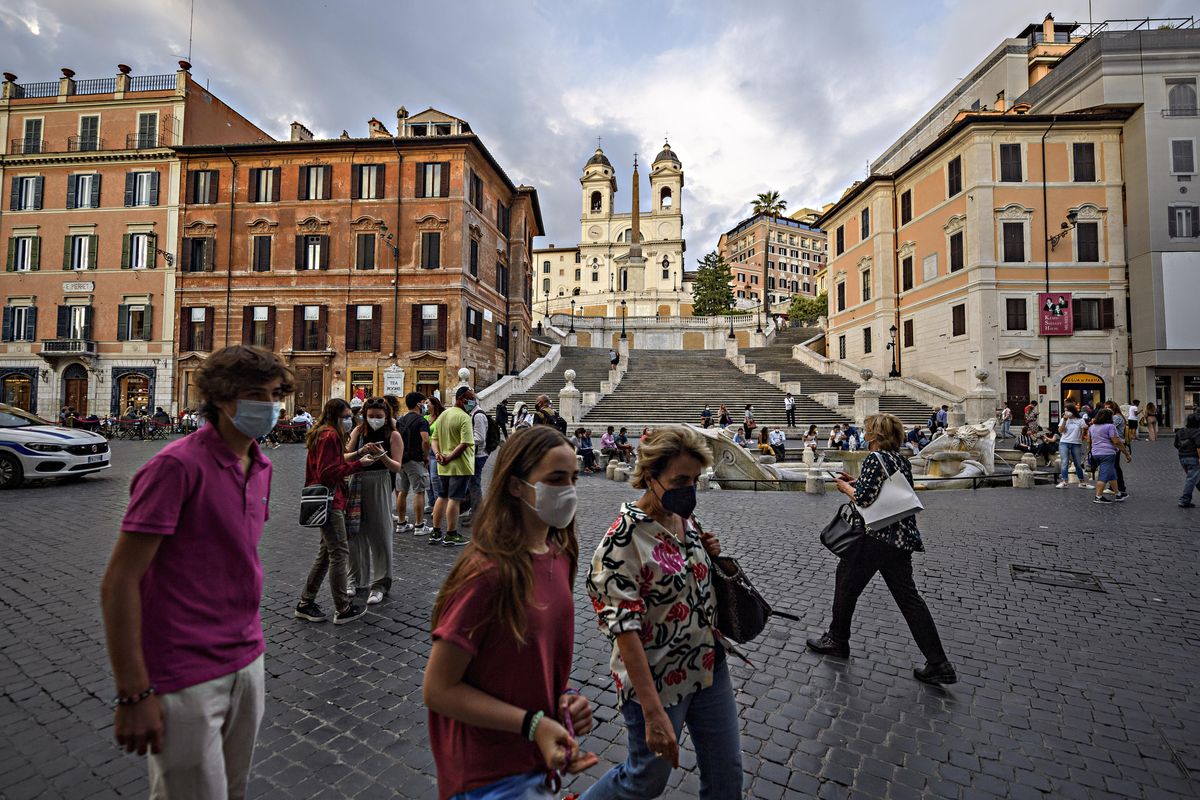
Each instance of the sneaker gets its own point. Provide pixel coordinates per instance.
(1186, 505)
(375, 597)
(829, 646)
(453, 539)
(424, 530)
(465, 518)
(1101, 499)
(1061, 485)
(310, 611)
(1083, 485)
(404, 527)
(936, 674)
(1120, 497)
(348, 614)
(435, 536)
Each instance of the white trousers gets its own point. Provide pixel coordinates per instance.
(208, 737)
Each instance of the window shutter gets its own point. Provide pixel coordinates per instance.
(72, 185)
(297, 327)
(1195, 222)
(191, 187)
(64, 322)
(1076, 307)
(96, 190)
(380, 181)
(327, 182)
(125, 251)
(122, 323)
(185, 329)
(185, 255)
(302, 183)
(14, 198)
(31, 324)
(252, 187)
(67, 252)
(151, 247)
(1172, 229)
(210, 253)
(415, 332)
(445, 189)
(299, 251)
(11, 264)
(208, 329)
(356, 181)
(324, 252)
(1108, 314)
(147, 324)
(275, 173)
(154, 188)
(38, 183)
(271, 328)
(6, 330)
(35, 253)
(93, 250)
(420, 187)
(130, 178)
(247, 324)
(88, 315)
(213, 178)
(376, 327)
(351, 328)
(322, 327)
(443, 322)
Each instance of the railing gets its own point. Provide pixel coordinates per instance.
(25, 146)
(96, 86)
(141, 141)
(1181, 111)
(66, 347)
(82, 144)
(43, 89)
(151, 83)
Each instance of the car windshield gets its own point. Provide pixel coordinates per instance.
(16, 418)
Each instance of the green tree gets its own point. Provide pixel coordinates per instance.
(770, 203)
(806, 310)
(712, 293)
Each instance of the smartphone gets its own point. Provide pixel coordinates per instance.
(831, 475)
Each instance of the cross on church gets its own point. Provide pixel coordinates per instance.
(597, 142)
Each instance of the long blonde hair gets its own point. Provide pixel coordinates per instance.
(661, 447)
(498, 539)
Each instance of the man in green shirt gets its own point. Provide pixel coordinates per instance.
(453, 444)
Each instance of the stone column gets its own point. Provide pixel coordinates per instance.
(623, 351)
(980, 403)
(866, 398)
(731, 349)
(569, 399)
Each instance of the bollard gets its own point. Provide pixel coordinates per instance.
(814, 484)
(610, 471)
(1022, 477)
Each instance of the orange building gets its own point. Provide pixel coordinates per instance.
(773, 257)
(89, 223)
(383, 263)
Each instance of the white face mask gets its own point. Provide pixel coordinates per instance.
(347, 424)
(554, 505)
(375, 422)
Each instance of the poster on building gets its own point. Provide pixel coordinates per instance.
(393, 381)
(1054, 314)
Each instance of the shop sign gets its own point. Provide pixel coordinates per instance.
(1054, 314)
(79, 286)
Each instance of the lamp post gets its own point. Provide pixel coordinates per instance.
(387, 240)
(572, 316)
(732, 304)
(895, 373)
(1067, 227)
(623, 319)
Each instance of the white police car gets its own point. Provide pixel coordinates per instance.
(32, 448)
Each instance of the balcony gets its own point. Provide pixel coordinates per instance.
(1181, 111)
(23, 146)
(84, 144)
(143, 141)
(68, 347)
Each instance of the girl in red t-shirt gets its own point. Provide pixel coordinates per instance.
(501, 716)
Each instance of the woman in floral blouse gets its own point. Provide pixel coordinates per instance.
(888, 551)
(651, 587)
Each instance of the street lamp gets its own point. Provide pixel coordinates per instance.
(167, 257)
(732, 303)
(1067, 227)
(623, 319)
(387, 240)
(895, 373)
(572, 316)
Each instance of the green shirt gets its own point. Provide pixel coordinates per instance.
(454, 428)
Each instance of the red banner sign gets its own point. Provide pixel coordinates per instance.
(1054, 314)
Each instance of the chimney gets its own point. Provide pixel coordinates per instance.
(376, 130)
(300, 133)
(1000, 102)
(1048, 28)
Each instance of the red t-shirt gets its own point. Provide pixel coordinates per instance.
(326, 464)
(530, 677)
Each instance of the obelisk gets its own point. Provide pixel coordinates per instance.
(635, 264)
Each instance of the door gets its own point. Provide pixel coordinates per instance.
(310, 387)
(1016, 394)
(1164, 388)
(75, 395)
(428, 381)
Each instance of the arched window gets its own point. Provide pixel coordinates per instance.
(546, 267)
(1181, 97)
(597, 203)
(626, 236)
(575, 292)
(665, 198)
(545, 286)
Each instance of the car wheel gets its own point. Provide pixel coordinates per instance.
(11, 473)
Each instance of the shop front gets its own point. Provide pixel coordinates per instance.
(1082, 389)
(132, 387)
(18, 387)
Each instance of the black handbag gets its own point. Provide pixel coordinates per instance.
(844, 531)
(742, 612)
(316, 502)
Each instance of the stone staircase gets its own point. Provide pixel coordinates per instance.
(671, 386)
(590, 365)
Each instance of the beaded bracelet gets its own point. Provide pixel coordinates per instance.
(135, 699)
(537, 717)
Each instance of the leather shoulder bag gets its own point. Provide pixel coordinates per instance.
(316, 501)
(844, 531)
(896, 500)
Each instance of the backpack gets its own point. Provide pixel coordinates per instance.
(492, 440)
(561, 424)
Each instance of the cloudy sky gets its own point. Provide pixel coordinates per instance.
(789, 95)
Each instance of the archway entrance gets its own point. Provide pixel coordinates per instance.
(17, 390)
(1082, 389)
(75, 388)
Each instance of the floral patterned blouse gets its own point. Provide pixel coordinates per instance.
(642, 579)
(903, 534)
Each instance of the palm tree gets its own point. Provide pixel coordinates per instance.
(770, 203)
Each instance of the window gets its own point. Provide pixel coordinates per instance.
(866, 341)
(579, 274)
(1014, 314)
(133, 323)
(596, 203)
(954, 176)
(865, 222)
(24, 253)
(81, 251)
(958, 320)
(842, 346)
(1014, 242)
(1183, 156)
(203, 184)
(840, 240)
(1181, 97)
(906, 273)
(1183, 222)
(1083, 158)
(364, 251)
(197, 254)
(909, 334)
(1093, 314)
(431, 250)
(476, 197)
(138, 251)
(665, 198)
(546, 267)
(264, 185)
(545, 286)
(906, 207)
(196, 329)
(259, 325)
(147, 132)
(74, 322)
(368, 180)
(83, 191)
(141, 188)
(433, 179)
(474, 328)
(1010, 163)
(362, 327)
(89, 133)
(1087, 242)
(473, 261)
(956, 251)
(501, 337)
(308, 332)
(841, 298)
(32, 142)
(428, 323)
(315, 182)
(262, 254)
(313, 254)
(20, 324)
(26, 193)
(502, 278)
(754, 279)
(866, 285)
(503, 218)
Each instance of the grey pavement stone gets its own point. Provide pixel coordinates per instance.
(1063, 692)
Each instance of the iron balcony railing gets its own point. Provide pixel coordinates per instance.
(83, 144)
(96, 86)
(23, 146)
(151, 83)
(43, 89)
(1181, 111)
(142, 141)
(68, 347)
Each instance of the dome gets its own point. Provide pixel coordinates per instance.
(667, 154)
(598, 158)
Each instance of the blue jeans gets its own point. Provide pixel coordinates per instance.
(1191, 468)
(435, 483)
(1106, 467)
(712, 721)
(1070, 454)
(529, 786)
(475, 485)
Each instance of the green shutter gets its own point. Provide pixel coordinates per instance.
(122, 323)
(10, 266)
(93, 250)
(67, 252)
(35, 254)
(125, 251)
(151, 246)
(147, 325)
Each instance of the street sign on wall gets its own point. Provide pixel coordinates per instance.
(1054, 314)
(393, 381)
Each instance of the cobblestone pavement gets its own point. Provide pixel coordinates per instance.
(1065, 692)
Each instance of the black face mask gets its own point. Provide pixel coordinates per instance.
(681, 501)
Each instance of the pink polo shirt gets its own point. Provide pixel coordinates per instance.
(201, 593)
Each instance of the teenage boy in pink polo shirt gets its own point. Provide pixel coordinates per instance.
(181, 593)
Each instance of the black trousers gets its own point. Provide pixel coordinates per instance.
(857, 569)
(790, 414)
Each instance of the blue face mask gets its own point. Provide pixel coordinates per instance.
(471, 405)
(256, 418)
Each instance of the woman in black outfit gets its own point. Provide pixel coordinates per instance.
(887, 551)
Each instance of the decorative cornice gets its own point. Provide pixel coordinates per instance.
(1014, 211)
(312, 224)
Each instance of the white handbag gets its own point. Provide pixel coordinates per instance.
(896, 500)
